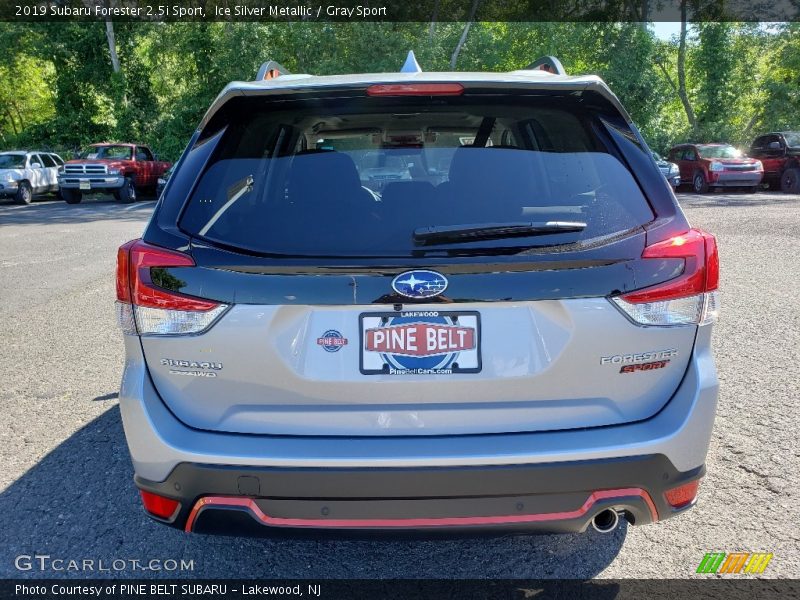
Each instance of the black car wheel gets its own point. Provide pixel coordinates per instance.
(790, 181)
(24, 193)
(127, 193)
(71, 196)
(699, 184)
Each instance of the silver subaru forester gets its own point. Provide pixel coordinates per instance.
(460, 302)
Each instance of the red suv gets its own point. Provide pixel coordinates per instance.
(705, 166)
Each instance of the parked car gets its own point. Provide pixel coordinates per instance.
(120, 169)
(669, 170)
(710, 166)
(779, 152)
(524, 346)
(25, 173)
(162, 181)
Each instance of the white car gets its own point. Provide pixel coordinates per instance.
(24, 173)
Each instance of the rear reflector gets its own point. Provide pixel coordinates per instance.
(690, 298)
(683, 494)
(145, 308)
(159, 506)
(416, 89)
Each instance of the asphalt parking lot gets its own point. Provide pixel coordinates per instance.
(66, 479)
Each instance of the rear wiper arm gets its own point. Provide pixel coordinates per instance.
(236, 191)
(493, 231)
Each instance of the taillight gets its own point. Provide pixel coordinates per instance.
(159, 506)
(690, 298)
(145, 308)
(123, 272)
(416, 89)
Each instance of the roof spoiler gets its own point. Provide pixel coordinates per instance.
(270, 70)
(547, 63)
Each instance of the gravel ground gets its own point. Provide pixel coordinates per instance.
(66, 479)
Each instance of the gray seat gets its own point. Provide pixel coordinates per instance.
(326, 178)
(411, 194)
(501, 176)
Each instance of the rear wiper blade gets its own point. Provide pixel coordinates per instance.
(492, 231)
(236, 191)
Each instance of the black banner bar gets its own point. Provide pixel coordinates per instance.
(732, 588)
(398, 10)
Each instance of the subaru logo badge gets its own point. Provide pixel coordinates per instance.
(419, 284)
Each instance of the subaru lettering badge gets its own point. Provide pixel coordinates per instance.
(419, 284)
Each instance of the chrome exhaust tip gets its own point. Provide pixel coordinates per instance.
(605, 521)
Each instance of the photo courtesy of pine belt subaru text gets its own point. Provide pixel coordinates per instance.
(425, 302)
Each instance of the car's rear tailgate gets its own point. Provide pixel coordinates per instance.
(548, 199)
(528, 365)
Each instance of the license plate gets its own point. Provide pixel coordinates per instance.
(84, 185)
(426, 342)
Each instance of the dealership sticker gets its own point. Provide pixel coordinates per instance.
(332, 341)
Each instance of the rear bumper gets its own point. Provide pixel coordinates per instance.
(554, 497)
(433, 477)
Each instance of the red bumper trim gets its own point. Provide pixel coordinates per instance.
(250, 505)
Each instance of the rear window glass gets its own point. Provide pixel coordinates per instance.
(359, 177)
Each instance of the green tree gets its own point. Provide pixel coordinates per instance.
(720, 81)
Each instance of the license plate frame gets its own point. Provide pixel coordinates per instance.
(84, 185)
(392, 363)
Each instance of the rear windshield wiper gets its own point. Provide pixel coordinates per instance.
(494, 231)
(236, 191)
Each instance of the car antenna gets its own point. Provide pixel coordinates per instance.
(411, 65)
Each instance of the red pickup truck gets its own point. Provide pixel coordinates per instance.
(122, 169)
(780, 153)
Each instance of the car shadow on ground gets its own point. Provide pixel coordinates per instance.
(59, 212)
(79, 502)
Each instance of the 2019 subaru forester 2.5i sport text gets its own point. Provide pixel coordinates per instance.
(426, 301)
